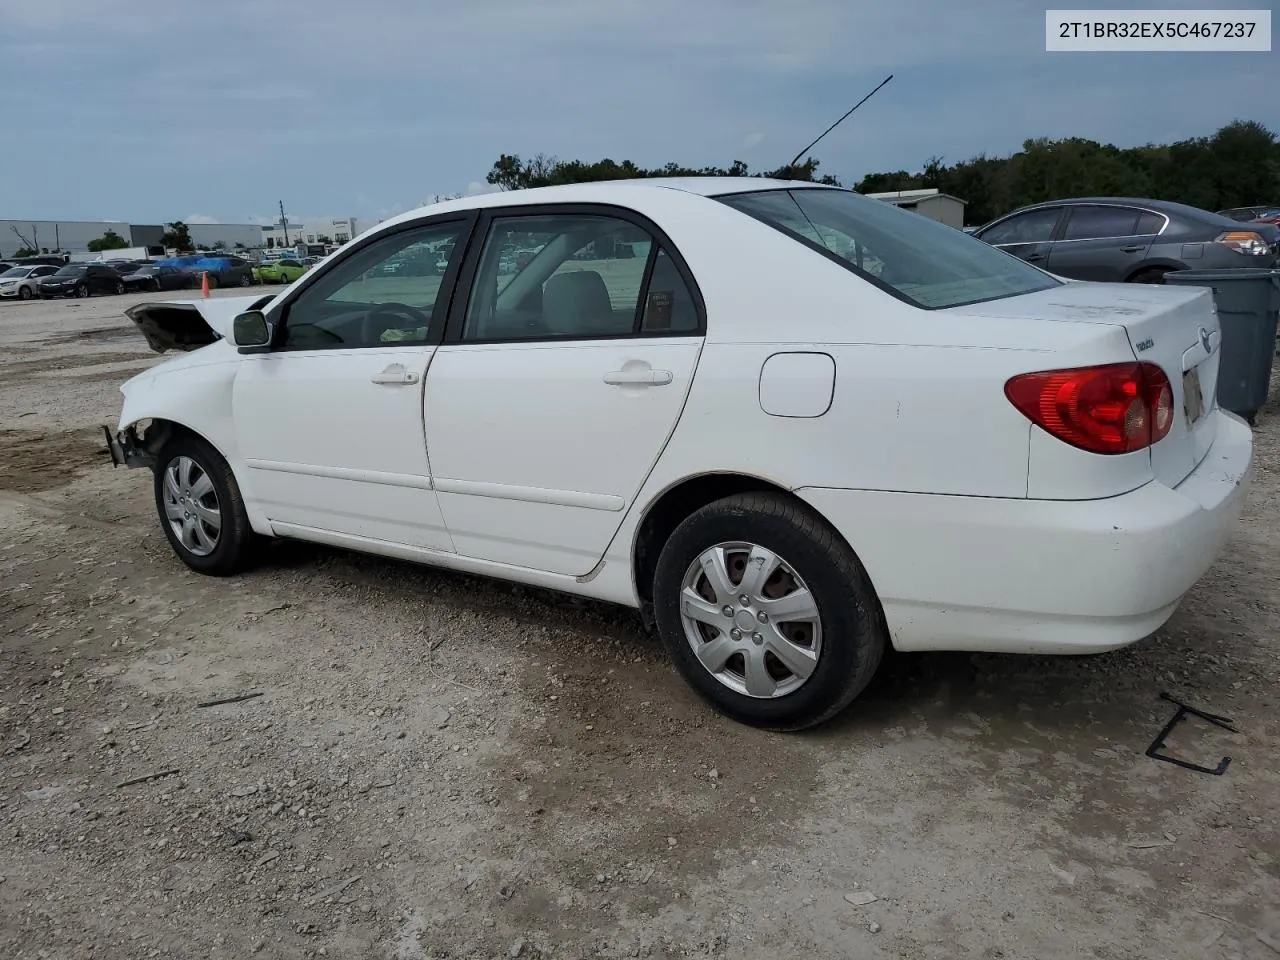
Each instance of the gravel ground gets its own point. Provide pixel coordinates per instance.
(440, 766)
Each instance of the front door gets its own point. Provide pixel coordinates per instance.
(559, 383)
(329, 421)
(1027, 235)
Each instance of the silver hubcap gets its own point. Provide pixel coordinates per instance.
(191, 506)
(750, 620)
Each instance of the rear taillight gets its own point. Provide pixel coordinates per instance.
(1244, 241)
(1117, 408)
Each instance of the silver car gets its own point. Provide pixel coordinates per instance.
(21, 282)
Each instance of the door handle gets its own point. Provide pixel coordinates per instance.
(639, 378)
(1133, 248)
(1033, 257)
(394, 375)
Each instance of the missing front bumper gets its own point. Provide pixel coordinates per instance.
(126, 449)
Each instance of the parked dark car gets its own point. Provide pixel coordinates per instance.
(81, 280)
(225, 271)
(152, 276)
(1259, 212)
(1126, 239)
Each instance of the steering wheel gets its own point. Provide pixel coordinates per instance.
(378, 320)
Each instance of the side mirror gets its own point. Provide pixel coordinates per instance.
(251, 329)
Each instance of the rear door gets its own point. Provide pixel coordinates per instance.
(1027, 235)
(1103, 242)
(561, 378)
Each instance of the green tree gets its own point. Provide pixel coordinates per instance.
(108, 241)
(25, 252)
(220, 245)
(510, 172)
(177, 236)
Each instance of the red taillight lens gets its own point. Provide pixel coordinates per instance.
(1117, 408)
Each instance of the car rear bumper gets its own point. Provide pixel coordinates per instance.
(1042, 576)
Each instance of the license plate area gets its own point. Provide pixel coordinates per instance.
(1192, 396)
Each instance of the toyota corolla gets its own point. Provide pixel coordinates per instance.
(791, 425)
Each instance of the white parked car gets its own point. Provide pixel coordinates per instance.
(786, 458)
(22, 282)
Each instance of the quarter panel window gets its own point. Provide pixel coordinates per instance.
(388, 293)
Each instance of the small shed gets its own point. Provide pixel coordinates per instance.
(931, 203)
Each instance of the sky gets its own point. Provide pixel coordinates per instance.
(147, 111)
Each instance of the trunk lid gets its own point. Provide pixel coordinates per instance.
(190, 324)
(1175, 328)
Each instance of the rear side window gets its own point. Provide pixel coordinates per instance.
(918, 260)
(1101, 223)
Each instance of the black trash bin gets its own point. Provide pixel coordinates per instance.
(1248, 302)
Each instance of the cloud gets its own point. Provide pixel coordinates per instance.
(191, 218)
(354, 107)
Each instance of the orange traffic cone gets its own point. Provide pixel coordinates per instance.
(204, 283)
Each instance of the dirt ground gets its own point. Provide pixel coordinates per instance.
(439, 766)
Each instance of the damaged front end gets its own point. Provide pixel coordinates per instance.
(137, 444)
(190, 324)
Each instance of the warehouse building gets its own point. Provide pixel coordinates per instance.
(931, 203)
(74, 236)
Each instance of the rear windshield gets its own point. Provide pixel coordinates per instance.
(919, 260)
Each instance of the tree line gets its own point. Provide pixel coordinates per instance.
(1238, 165)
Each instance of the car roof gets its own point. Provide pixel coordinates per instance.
(603, 191)
(1161, 206)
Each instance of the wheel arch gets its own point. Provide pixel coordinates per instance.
(1150, 266)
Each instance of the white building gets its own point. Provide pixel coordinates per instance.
(930, 203)
(338, 230)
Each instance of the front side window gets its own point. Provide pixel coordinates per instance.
(916, 259)
(385, 294)
(1034, 226)
(574, 276)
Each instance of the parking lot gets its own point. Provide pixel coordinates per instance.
(440, 766)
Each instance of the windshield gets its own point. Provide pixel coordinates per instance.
(70, 271)
(916, 259)
(13, 272)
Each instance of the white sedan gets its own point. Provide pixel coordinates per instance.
(682, 398)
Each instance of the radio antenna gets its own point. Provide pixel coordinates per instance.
(796, 159)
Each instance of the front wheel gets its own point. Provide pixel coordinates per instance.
(201, 509)
(24, 293)
(119, 287)
(82, 291)
(767, 612)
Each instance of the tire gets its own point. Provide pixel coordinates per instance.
(82, 291)
(841, 649)
(193, 486)
(1150, 275)
(246, 281)
(24, 293)
(119, 288)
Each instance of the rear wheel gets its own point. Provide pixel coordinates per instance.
(1153, 275)
(767, 612)
(201, 510)
(246, 281)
